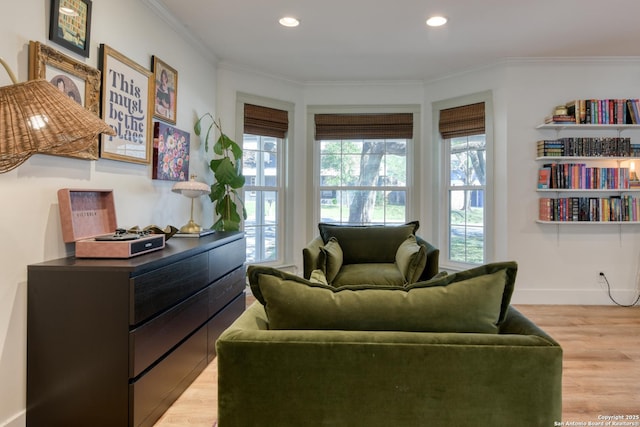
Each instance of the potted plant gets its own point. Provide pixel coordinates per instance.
(227, 170)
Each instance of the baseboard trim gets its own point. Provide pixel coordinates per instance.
(572, 296)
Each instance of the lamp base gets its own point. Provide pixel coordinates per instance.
(190, 228)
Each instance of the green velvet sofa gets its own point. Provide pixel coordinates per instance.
(372, 254)
(322, 372)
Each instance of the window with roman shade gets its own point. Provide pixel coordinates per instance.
(265, 131)
(363, 167)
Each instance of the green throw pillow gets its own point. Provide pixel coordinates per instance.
(330, 259)
(471, 305)
(411, 259)
(511, 268)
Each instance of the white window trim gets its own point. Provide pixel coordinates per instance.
(285, 213)
(439, 175)
(313, 161)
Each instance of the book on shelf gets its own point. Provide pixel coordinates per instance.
(623, 208)
(588, 147)
(600, 111)
(544, 178)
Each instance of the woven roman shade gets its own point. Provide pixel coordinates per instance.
(462, 121)
(361, 126)
(265, 121)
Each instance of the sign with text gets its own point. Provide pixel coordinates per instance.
(126, 92)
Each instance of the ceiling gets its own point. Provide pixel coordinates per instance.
(364, 40)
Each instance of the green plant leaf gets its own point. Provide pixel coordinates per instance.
(225, 172)
(236, 150)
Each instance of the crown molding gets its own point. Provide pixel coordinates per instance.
(161, 10)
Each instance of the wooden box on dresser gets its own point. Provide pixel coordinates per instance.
(113, 342)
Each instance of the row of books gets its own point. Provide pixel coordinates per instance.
(615, 208)
(579, 176)
(599, 111)
(588, 147)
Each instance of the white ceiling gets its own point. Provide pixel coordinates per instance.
(347, 40)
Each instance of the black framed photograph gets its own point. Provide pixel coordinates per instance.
(70, 25)
(166, 91)
(127, 89)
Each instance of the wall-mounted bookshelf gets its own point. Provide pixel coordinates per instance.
(576, 180)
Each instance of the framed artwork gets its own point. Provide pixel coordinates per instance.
(170, 153)
(78, 80)
(70, 25)
(126, 95)
(166, 91)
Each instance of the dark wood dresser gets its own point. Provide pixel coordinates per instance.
(113, 342)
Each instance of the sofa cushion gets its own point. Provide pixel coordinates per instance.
(368, 243)
(378, 274)
(291, 302)
(411, 259)
(330, 259)
(510, 267)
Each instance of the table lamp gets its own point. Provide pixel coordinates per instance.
(191, 189)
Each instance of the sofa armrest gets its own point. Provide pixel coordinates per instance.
(347, 378)
(310, 256)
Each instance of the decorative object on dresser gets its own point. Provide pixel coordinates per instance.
(113, 342)
(35, 117)
(191, 189)
(88, 218)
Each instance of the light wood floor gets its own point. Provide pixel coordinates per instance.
(601, 366)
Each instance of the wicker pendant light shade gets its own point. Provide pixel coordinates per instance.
(35, 117)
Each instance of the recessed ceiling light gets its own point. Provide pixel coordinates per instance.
(436, 21)
(68, 11)
(289, 21)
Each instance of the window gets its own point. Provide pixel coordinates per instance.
(262, 165)
(466, 190)
(363, 177)
(464, 138)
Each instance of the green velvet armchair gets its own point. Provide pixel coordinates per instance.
(370, 254)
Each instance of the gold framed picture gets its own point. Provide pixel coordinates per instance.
(127, 90)
(76, 79)
(165, 99)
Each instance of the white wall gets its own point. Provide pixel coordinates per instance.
(29, 221)
(557, 264)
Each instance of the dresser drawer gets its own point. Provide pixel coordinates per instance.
(222, 291)
(226, 258)
(160, 289)
(157, 389)
(153, 339)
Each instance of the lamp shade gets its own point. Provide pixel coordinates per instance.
(191, 188)
(35, 117)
